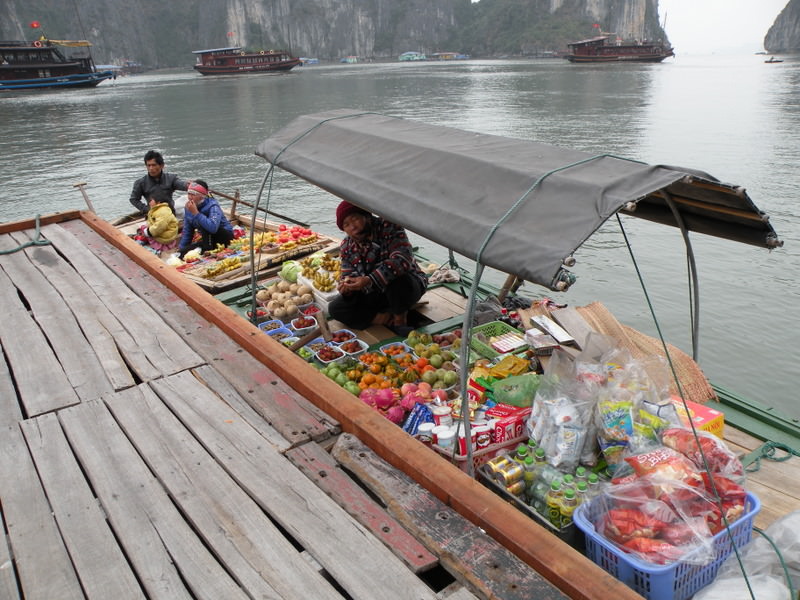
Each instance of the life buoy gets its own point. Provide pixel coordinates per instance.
(262, 52)
(37, 43)
(242, 53)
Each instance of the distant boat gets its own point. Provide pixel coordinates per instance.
(412, 56)
(304, 60)
(46, 63)
(772, 59)
(349, 60)
(449, 56)
(597, 49)
(225, 61)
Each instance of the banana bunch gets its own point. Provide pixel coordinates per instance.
(324, 282)
(288, 245)
(227, 264)
(307, 239)
(308, 268)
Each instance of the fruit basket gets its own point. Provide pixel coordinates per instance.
(331, 354)
(676, 581)
(490, 330)
(342, 335)
(354, 348)
(303, 324)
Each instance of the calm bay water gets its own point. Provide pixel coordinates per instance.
(731, 116)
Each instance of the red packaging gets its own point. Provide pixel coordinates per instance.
(508, 425)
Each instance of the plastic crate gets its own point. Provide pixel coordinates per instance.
(479, 457)
(677, 581)
(494, 328)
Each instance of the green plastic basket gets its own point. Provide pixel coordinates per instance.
(490, 330)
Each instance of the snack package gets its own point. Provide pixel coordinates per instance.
(717, 455)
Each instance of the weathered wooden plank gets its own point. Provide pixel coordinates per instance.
(242, 537)
(321, 468)
(109, 339)
(471, 556)
(162, 344)
(439, 307)
(43, 564)
(284, 409)
(8, 579)
(102, 568)
(335, 540)
(10, 412)
(220, 386)
(165, 553)
(40, 380)
(456, 591)
(81, 365)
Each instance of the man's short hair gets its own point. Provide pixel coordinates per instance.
(154, 155)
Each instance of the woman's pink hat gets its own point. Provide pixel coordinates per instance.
(196, 187)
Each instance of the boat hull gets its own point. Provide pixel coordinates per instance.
(256, 68)
(59, 81)
(607, 59)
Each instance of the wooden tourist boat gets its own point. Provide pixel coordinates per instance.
(598, 50)
(266, 262)
(189, 434)
(227, 61)
(45, 63)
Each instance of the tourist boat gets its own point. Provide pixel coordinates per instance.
(598, 49)
(226, 61)
(46, 63)
(411, 56)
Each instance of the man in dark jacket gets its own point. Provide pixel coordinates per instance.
(156, 184)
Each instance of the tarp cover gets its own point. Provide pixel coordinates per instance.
(518, 206)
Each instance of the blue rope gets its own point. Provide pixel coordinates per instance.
(36, 241)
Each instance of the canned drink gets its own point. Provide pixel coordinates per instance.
(510, 474)
(517, 488)
(496, 463)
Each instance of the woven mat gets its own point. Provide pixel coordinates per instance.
(693, 382)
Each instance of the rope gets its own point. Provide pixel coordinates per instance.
(780, 559)
(36, 241)
(767, 450)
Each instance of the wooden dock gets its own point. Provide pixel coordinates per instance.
(146, 454)
(157, 445)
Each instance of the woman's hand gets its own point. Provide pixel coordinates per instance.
(353, 284)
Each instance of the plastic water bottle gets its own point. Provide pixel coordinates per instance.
(553, 503)
(530, 471)
(568, 483)
(568, 505)
(580, 474)
(581, 489)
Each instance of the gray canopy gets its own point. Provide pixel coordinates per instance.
(518, 206)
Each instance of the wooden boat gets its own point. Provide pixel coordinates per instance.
(226, 61)
(772, 59)
(45, 63)
(265, 263)
(222, 409)
(598, 50)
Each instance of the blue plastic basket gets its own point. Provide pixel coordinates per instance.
(677, 581)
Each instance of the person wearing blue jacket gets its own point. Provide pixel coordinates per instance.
(203, 215)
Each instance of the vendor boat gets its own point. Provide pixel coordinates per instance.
(45, 63)
(227, 61)
(599, 50)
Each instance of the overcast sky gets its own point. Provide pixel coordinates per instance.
(706, 26)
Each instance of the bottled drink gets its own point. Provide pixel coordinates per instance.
(568, 505)
(532, 447)
(581, 489)
(553, 502)
(521, 453)
(568, 483)
(580, 474)
(592, 486)
(530, 471)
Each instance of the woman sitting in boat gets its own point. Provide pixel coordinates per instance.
(203, 215)
(380, 279)
(161, 231)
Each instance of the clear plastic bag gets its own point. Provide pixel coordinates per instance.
(762, 565)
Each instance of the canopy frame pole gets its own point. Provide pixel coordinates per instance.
(694, 283)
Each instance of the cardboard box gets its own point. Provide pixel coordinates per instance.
(704, 418)
(507, 422)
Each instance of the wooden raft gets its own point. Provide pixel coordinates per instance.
(146, 455)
